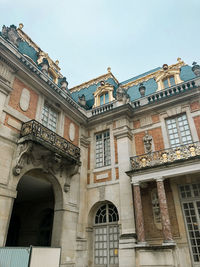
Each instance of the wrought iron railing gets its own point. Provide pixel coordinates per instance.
(35, 131)
(166, 156)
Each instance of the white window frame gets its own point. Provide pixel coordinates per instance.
(186, 200)
(103, 152)
(107, 229)
(178, 127)
(49, 110)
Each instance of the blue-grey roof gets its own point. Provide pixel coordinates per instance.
(28, 50)
(151, 85)
(141, 75)
(88, 92)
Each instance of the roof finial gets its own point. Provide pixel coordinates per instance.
(179, 59)
(109, 69)
(21, 26)
(57, 61)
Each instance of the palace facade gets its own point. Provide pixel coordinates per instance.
(109, 171)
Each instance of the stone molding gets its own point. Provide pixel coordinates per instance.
(124, 132)
(31, 154)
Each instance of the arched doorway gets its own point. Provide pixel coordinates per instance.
(33, 211)
(106, 236)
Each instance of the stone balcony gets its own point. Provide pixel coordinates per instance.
(36, 132)
(166, 156)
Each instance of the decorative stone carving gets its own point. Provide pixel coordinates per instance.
(101, 193)
(122, 95)
(156, 208)
(82, 100)
(24, 99)
(196, 68)
(23, 153)
(147, 139)
(45, 66)
(11, 34)
(71, 171)
(71, 132)
(166, 156)
(51, 162)
(64, 84)
(142, 90)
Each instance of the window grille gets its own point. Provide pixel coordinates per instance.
(103, 149)
(190, 197)
(178, 130)
(106, 236)
(49, 117)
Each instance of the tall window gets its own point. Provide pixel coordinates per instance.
(103, 149)
(106, 236)
(170, 81)
(104, 99)
(178, 130)
(49, 117)
(190, 198)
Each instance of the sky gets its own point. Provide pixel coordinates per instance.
(130, 36)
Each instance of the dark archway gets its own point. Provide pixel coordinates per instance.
(33, 211)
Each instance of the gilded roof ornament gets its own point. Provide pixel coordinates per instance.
(21, 26)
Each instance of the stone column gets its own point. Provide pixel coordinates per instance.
(139, 214)
(6, 203)
(164, 211)
(127, 220)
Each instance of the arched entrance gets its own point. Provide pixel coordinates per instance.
(33, 211)
(106, 236)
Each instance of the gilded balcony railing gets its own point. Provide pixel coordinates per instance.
(166, 156)
(35, 131)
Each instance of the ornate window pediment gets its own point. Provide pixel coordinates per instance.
(168, 76)
(103, 94)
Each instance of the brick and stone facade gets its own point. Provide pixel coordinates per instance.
(88, 169)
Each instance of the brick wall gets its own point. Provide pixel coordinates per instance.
(194, 106)
(15, 99)
(67, 123)
(197, 124)
(156, 134)
(151, 231)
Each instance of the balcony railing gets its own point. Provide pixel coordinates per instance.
(35, 131)
(166, 156)
(103, 108)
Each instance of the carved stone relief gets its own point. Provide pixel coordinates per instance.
(147, 139)
(24, 99)
(71, 132)
(53, 163)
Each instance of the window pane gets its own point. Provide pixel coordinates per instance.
(49, 117)
(103, 149)
(106, 98)
(165, 82)
(101, 99)
(172, 81)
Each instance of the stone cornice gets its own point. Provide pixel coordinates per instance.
(84, 141)
(95, 81)
(123, 132)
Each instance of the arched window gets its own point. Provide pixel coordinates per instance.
(106, 236)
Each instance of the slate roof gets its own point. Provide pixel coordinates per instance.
(151, 85)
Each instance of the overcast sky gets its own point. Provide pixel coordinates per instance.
(130, 36)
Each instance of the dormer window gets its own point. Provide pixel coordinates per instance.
(104, 99)
(168, 82)
(169, 75)
(103, 94)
